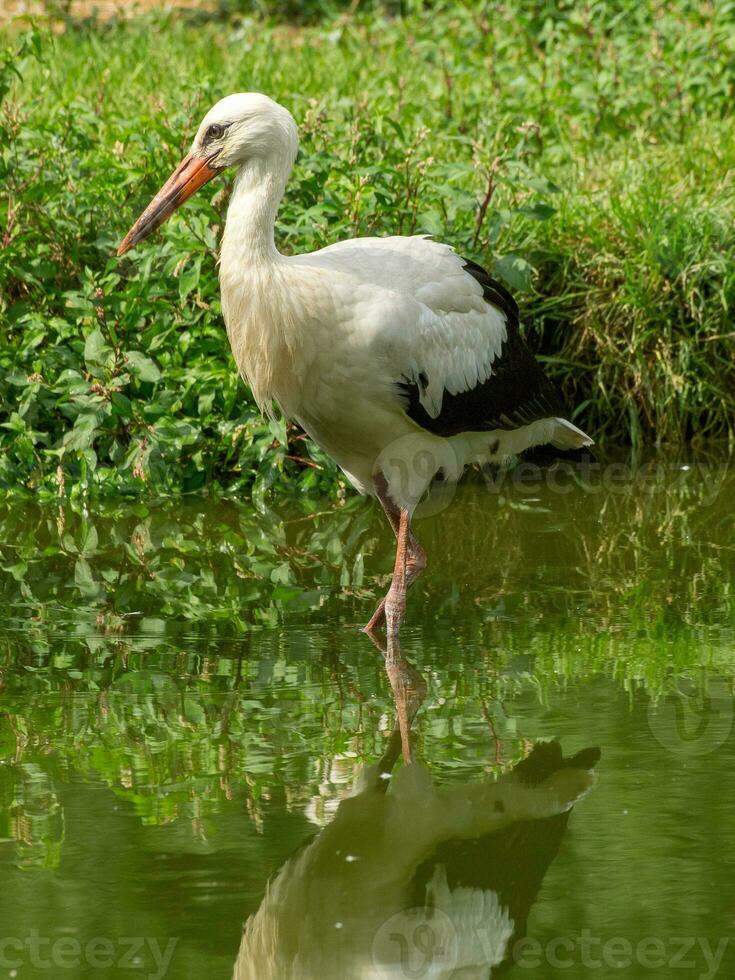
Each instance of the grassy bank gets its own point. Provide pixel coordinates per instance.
(585, 153)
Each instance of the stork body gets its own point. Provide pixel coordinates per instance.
(402, 360)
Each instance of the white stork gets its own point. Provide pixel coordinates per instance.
(398, 357)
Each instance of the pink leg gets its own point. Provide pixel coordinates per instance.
(410, 562)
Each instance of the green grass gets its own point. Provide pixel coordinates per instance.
(584, 152)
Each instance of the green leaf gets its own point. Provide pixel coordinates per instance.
(541, 212)
(89, 541)
(18, 570)
(189, 277)
(83, 433)
(96, 350)
(84, 580)
(142, 367)
(515, 271)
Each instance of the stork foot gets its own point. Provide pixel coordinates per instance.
(415, 564)
(391, 611)
(376, 619)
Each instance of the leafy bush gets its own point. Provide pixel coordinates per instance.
(581, 152)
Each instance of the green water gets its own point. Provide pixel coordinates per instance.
(185, 697)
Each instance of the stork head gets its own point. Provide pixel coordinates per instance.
(244, 130)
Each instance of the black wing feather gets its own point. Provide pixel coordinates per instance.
(516, 393)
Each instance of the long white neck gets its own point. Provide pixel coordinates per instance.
(248, 237)
(255, 302)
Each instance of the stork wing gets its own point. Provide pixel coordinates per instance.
(439, 333)
(515, 392)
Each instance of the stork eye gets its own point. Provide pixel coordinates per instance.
(213, 132)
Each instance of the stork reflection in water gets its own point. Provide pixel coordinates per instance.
(410, 874)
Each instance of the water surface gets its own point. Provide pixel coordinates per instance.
(186, 697)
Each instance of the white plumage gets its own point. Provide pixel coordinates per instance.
(399, 358)
(339, 332)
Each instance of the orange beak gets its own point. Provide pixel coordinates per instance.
(191, 174)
